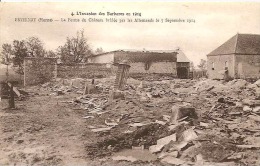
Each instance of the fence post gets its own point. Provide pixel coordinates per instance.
(121, 75)
(11, 100)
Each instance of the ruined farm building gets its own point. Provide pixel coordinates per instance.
(183, 65)
(147, 62)
(239, 57)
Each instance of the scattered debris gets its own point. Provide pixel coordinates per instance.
(172, 121)
(166, 140)
(134, 155)
(156, 148)
(189, 135)
(173, 160)
(124, 158)
(183, 112)
(101, 129)
(88, 117)
(255, 117)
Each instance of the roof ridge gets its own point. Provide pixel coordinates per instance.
(239, 44)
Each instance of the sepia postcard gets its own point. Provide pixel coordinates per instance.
(130, 83)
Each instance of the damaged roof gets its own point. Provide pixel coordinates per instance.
(144, 55)
(132, 50)
(248, 44)
(157, 55)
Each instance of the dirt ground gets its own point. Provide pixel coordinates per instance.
(44, 131)
(55, 124)
(41, 131)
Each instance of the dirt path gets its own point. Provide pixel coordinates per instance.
(42, 131)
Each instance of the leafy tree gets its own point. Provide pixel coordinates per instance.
(16, 52)
(35, 47)
(203, 65)
(6, 53)
(99, 50)
(50, 54)
(76, 49)
(20, 51)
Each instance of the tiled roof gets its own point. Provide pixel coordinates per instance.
(248, 44)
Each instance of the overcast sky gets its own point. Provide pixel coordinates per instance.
(215, 23)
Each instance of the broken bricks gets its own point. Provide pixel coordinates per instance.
(251, 102)
(133, 155)
(116, 94)
(103, 129)
(90, 88)
(166, 140)
(169, 147)
(161, 143)
(173, 160)
(189, 135)
(183, 112)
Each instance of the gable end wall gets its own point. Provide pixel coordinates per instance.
(219, 66)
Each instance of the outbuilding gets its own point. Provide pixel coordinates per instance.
(142, 62)
(171, 62)
(239, 57)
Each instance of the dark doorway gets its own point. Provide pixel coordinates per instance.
(182, 72)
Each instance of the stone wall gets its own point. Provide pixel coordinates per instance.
(39, 70)
(100, 70)
(238, 66)
(85, 70)
(144, 62)
(247, 66)
(105, 58)
(153, 68)
(220, 62)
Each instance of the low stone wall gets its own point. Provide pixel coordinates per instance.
(41, 70)
(101, 70)
(85, 70)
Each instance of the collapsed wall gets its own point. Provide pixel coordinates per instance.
(154, 64)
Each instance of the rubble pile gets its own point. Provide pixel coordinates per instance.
(176, 121)
(152, 77)
(76, 85)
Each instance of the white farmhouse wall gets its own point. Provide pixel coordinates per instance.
(106, 58)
